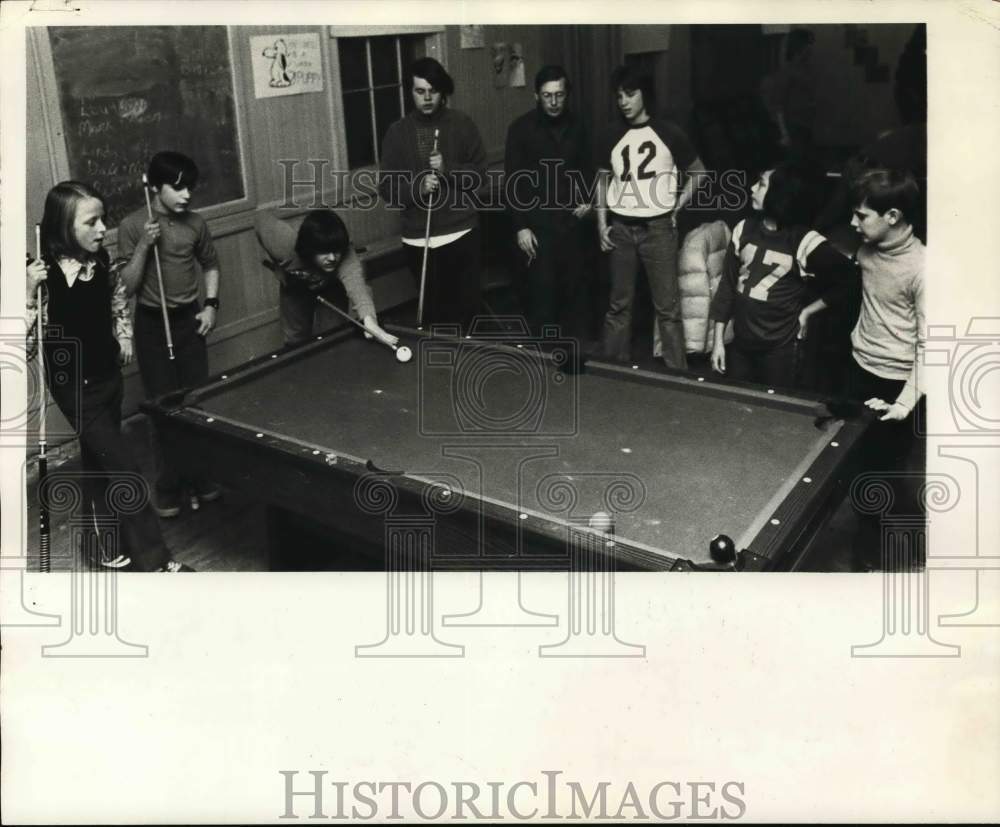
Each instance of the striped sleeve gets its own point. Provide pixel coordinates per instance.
(810, 241)
(737, 235)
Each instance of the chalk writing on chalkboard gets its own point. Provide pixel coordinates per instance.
(128, 92)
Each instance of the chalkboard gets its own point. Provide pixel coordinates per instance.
(128, 92)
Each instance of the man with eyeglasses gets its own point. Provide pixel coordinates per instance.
(548, 171)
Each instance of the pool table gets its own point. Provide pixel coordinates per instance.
(506, 451)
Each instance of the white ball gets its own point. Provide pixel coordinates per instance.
(404, 354)
(601, 521)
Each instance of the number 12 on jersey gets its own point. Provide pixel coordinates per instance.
(648, 151)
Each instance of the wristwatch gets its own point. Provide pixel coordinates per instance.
(212, 302)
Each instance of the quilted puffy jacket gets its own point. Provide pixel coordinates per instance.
(699, 268)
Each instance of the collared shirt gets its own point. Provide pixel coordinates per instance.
(75, 269)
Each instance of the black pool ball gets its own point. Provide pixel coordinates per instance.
(722, 549)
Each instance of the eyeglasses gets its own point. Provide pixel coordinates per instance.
(553, 96)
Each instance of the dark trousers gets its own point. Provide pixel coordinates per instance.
(104, 454)
(452, 291)
(160, 375)
(890, 448)
(301, 313)
(556, 284)
(776, 368)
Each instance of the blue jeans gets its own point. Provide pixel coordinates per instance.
(653, 243)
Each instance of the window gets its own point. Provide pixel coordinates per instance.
(372, 73)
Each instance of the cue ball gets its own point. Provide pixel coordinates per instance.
(722, 549)
(601, 521)
(403, 353)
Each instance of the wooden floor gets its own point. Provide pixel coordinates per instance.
(230, 534)
(226, 535)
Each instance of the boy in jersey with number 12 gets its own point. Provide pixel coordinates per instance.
(776, 275)
(639, 185)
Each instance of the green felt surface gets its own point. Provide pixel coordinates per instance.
(707, 464)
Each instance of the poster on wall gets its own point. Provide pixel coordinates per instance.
(516, 64)
(500, 56)
(470, 37)
(286, 64)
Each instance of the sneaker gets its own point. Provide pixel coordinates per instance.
(119, 562)
(209, 493)
(167, 506)
(174, 567)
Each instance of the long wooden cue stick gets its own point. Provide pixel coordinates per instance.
(423, 266)
(159, 277)
(44, 537)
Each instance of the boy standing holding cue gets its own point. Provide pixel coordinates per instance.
(172, 241)
(433, 161)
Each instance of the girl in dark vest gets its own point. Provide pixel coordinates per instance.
(87, 337)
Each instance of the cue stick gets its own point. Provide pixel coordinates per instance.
(427, 235)
(44, 561)
(326, 303)
(159, 277)
(375, 336)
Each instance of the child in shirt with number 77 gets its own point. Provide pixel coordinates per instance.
(776, 275)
